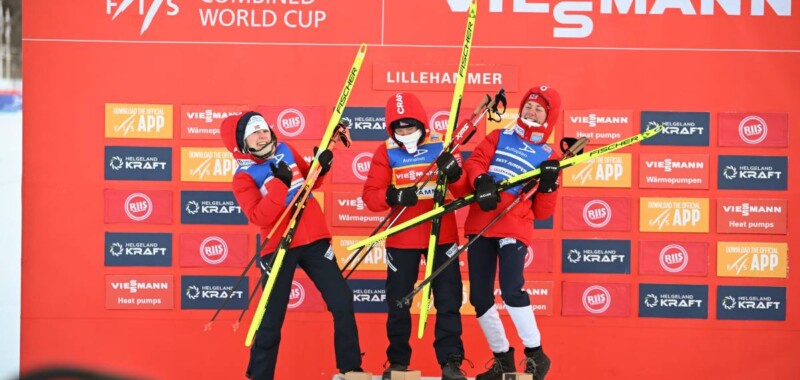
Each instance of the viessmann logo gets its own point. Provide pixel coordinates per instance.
(152, 8)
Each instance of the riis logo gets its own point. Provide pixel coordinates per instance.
(207, 165)
(751, 303)
(138, 163)
(673, 259)
(753, 129)
(361, 165)
(153, 8)
(753, 172)
(143, 121)
(596, 299)
(673, 301)
(138, 249)
(612, 170)
(597, 213)
(673, 215)
(742, 259)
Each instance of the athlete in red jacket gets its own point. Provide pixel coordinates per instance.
(503, 154)
(396, 165)
(269, 175)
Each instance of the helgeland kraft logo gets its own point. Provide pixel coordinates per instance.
(673, 301)
(680, 128)
(766, 303)
(210, 207)
(596, 256)
(753, 172)
(138, 163)
(153, 9)
(138, 249)
(209, 292)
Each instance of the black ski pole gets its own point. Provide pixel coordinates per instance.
(527, 190)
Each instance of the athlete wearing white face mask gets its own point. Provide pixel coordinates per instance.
(396, 166)
(408, 134)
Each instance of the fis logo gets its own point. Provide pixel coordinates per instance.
(673, 215)
(608, 171)
(118, 7)
(741, 259)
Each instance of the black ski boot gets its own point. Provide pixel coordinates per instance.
(451, 370)
(536, 362)
(503, 362)
(387, 374)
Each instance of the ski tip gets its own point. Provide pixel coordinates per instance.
(235, 326)
(207, 327)
(362, 49)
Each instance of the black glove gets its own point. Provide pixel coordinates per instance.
(448, 166)
(528, 186)
(325, 160)
(282, 172)
(406, 196)
(548, 178)
(486, 192)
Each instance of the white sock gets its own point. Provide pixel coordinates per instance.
(525, 322)
(492, 328)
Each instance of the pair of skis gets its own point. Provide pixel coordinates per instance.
(527, 193)
(297, 205)
(441, 183)
(468, 129)
(503, 185)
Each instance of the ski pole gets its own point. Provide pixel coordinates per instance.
(464, 134)
(504, 185)
(529, 189)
